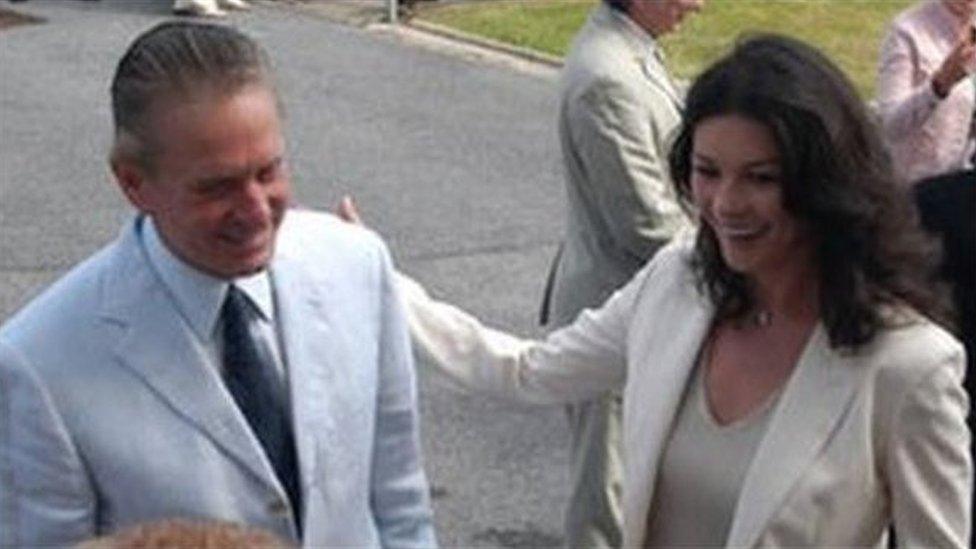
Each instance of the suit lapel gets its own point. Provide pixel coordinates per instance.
(641, 50)
(312, 347)
(814, 400)
(159, 348)
(660, 78)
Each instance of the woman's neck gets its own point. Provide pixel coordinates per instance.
(787, 293)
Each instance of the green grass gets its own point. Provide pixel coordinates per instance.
(850, 31)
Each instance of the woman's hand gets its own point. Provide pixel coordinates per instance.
(348, 212)
(957, 64)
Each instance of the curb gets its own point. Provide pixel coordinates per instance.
(482, 42)
(354, 13)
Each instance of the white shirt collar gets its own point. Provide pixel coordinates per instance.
(645, 39)
(200, 296)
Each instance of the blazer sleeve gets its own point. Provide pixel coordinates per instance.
(930, 472)
(45, 496)
(574, 363)
(399, 491)
(617, 139)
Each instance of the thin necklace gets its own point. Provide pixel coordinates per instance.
(762, 318)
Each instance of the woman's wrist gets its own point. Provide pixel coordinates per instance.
(939, 88)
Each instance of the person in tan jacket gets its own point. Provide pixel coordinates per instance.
(618, 105)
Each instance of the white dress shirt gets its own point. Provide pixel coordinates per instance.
(199, 298)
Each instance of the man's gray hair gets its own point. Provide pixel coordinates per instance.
(619, 5)
(176, 60)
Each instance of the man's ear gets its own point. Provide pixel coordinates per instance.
(131, 179)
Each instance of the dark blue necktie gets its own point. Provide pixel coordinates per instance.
(253, 380)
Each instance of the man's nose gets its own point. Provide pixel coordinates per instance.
(253, 203)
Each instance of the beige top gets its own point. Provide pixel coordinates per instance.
(702, 470)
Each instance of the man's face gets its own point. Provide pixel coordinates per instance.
(660, 17)
(218, 188)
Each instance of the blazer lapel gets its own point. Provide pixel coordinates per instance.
(814, 400)
(160, 349)
(663, 360)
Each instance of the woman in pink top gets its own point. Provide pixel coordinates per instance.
(926, 92)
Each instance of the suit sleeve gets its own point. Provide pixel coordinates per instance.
(575, 363)
(618, 142)
(45, 496)
(930, 472)
(400, 494)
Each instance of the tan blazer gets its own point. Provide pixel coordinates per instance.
(857, 441)
(618, 108)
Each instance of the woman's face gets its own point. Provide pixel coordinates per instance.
(736, 183)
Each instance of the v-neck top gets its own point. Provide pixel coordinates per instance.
(702, 471)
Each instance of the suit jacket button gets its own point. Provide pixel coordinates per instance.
(278, 506)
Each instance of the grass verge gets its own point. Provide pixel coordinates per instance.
(849, 31)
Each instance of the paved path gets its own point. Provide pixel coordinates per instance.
(455, 162)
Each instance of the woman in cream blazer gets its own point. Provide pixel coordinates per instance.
(800, 305)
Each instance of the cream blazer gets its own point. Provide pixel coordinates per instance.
(857, 441)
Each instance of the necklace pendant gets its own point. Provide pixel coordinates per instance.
(763, 319)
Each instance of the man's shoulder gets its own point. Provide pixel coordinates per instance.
(603, 44)
(310, 236)
(601, 51)
(602, 62)
(70, 302)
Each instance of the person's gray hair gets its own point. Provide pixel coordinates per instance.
(176, 60)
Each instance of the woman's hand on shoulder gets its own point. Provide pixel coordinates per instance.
(347, 211)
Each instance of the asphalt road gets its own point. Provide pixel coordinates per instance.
(454, 161)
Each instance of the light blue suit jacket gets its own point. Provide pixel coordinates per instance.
(110, 414)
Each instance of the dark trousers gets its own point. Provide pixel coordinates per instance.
(947, 205)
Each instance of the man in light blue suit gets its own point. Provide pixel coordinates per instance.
(226, 358)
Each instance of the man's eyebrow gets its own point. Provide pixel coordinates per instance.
(217, 179)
